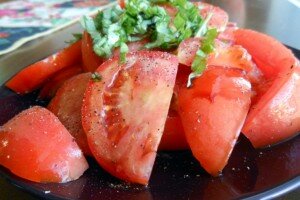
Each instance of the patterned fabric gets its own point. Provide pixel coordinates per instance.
(24, 20)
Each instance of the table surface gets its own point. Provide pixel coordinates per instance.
(279, 18)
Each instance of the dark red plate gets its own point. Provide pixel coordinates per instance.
(250, 173)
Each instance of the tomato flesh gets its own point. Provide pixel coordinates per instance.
(124, 114)
(66, 105)
(213, 111)
(36, 146)
(33, 76)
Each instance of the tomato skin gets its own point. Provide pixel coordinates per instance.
(66, 105)
(269, 54)
(91, 61)
(213, 111)
(36, 146)
(124, 114)
(33, 76)
(49, 89)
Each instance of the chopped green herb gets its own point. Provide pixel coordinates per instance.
(200, 61)
(76, 37)
(140, 19)
(96, 77)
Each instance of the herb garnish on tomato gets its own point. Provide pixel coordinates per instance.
(139, 19)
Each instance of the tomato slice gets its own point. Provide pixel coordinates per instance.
(49, 89)
(219, 17)
(36, 146)
(124, 114)
(66, 105)
(91, 61)
(269, 54)
(33, 76)
(275, 116)
(213, 111)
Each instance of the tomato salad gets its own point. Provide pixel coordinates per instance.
(149, 75)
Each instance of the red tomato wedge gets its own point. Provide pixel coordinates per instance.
(91, 61)
(219, 17)
(49, 89)
(124, 114)
(36, 146)
(269, 54)
(33, 76)
(275, 116)
(213, 112)
(66, 105)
